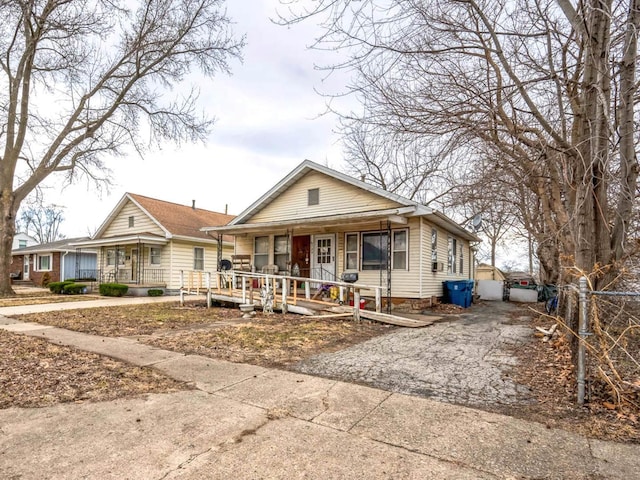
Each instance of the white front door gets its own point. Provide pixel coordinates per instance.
(324, 257)
(25, 272)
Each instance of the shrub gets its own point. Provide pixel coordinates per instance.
(113, 289)
(46, 279)
(58, 287)
(155, 292)
(74, 288)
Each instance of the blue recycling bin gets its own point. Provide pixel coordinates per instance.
(458, 292)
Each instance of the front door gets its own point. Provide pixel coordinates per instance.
(25, 272)
(324, 257)
(301, 256)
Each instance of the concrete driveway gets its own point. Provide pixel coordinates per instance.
(464, 360)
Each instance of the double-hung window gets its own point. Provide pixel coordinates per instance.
(281, 251)
(198, 258)
(43, 263)
(452, 249)
(260, 253)
(111, 257)
(154, 255)
(351, 251)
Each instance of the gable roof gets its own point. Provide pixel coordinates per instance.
(64, 245)
(406, 206)
(174, 219)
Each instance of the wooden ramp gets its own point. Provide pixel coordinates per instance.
(321, 309)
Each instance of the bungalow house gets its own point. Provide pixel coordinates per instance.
(149, 243)
(319, 223)
(53, 262)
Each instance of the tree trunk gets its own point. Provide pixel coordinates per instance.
(7, 232)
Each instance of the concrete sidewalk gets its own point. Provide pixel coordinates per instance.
(252, 422)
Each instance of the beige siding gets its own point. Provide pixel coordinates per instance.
(336, 197)
(142, 223)
(432, 281)
(181, 255)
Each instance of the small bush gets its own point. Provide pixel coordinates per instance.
(155, 292)
(58, 287)
(74, 288)
(113, 289)
(46, 279)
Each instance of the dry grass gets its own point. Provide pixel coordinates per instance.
(36, 373)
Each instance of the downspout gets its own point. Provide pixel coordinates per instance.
(62, 262)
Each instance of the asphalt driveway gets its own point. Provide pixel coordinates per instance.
(464, 359)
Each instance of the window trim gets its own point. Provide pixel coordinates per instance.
(262, 255)
(452, 252)
(313, 197)
(393, 251)
(132, 221)
(196, 259)
(152, 256)
(356, 251)
(36, 263)
(119, 254)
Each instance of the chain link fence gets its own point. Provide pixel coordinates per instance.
(605, 342)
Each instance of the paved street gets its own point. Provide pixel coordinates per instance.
(464, 361)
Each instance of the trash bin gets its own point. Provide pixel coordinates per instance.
(457, 292)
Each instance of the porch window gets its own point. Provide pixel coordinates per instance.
(452, 248)
(374, 250)
(351, 251)
(43, 263)
(281, 252)
(260, 252)
(154, 255)
(111, 257)
(313, 196)
(400, 250)
(198, 258)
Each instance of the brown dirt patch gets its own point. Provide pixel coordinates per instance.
(44, 297)
(36, 373)
(547, 369)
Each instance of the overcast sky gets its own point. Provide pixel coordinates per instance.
(268, 121)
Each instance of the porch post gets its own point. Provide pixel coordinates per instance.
(356, 304)
(208, 280)
(285, 288)
(378, 300)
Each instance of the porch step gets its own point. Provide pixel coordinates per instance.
(23, 283)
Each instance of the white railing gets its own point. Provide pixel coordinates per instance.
(291, 289)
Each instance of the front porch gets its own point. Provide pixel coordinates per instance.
(286, 293)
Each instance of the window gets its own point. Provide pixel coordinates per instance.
(399, 249)
(461, 259)
(351, 251)
(374, 250)
(434, 245)
(281, 252)
(260, 252)
(111, 257)
(451, 257)
(43, 263)
(22, 244)
(154, 255)
(198, 258)
(313, 196)
(131, 221)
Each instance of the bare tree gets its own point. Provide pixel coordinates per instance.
(82, 79)
(549, 86)
(42, 222)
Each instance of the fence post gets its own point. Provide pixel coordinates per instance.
(208, 278)
(583, 332)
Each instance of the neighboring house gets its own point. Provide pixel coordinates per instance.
(22, 240)
(56, 261)
(320, 223)
(148, 242)
(487, 272)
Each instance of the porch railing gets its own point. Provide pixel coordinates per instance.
(286, 289)
(144, 276)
